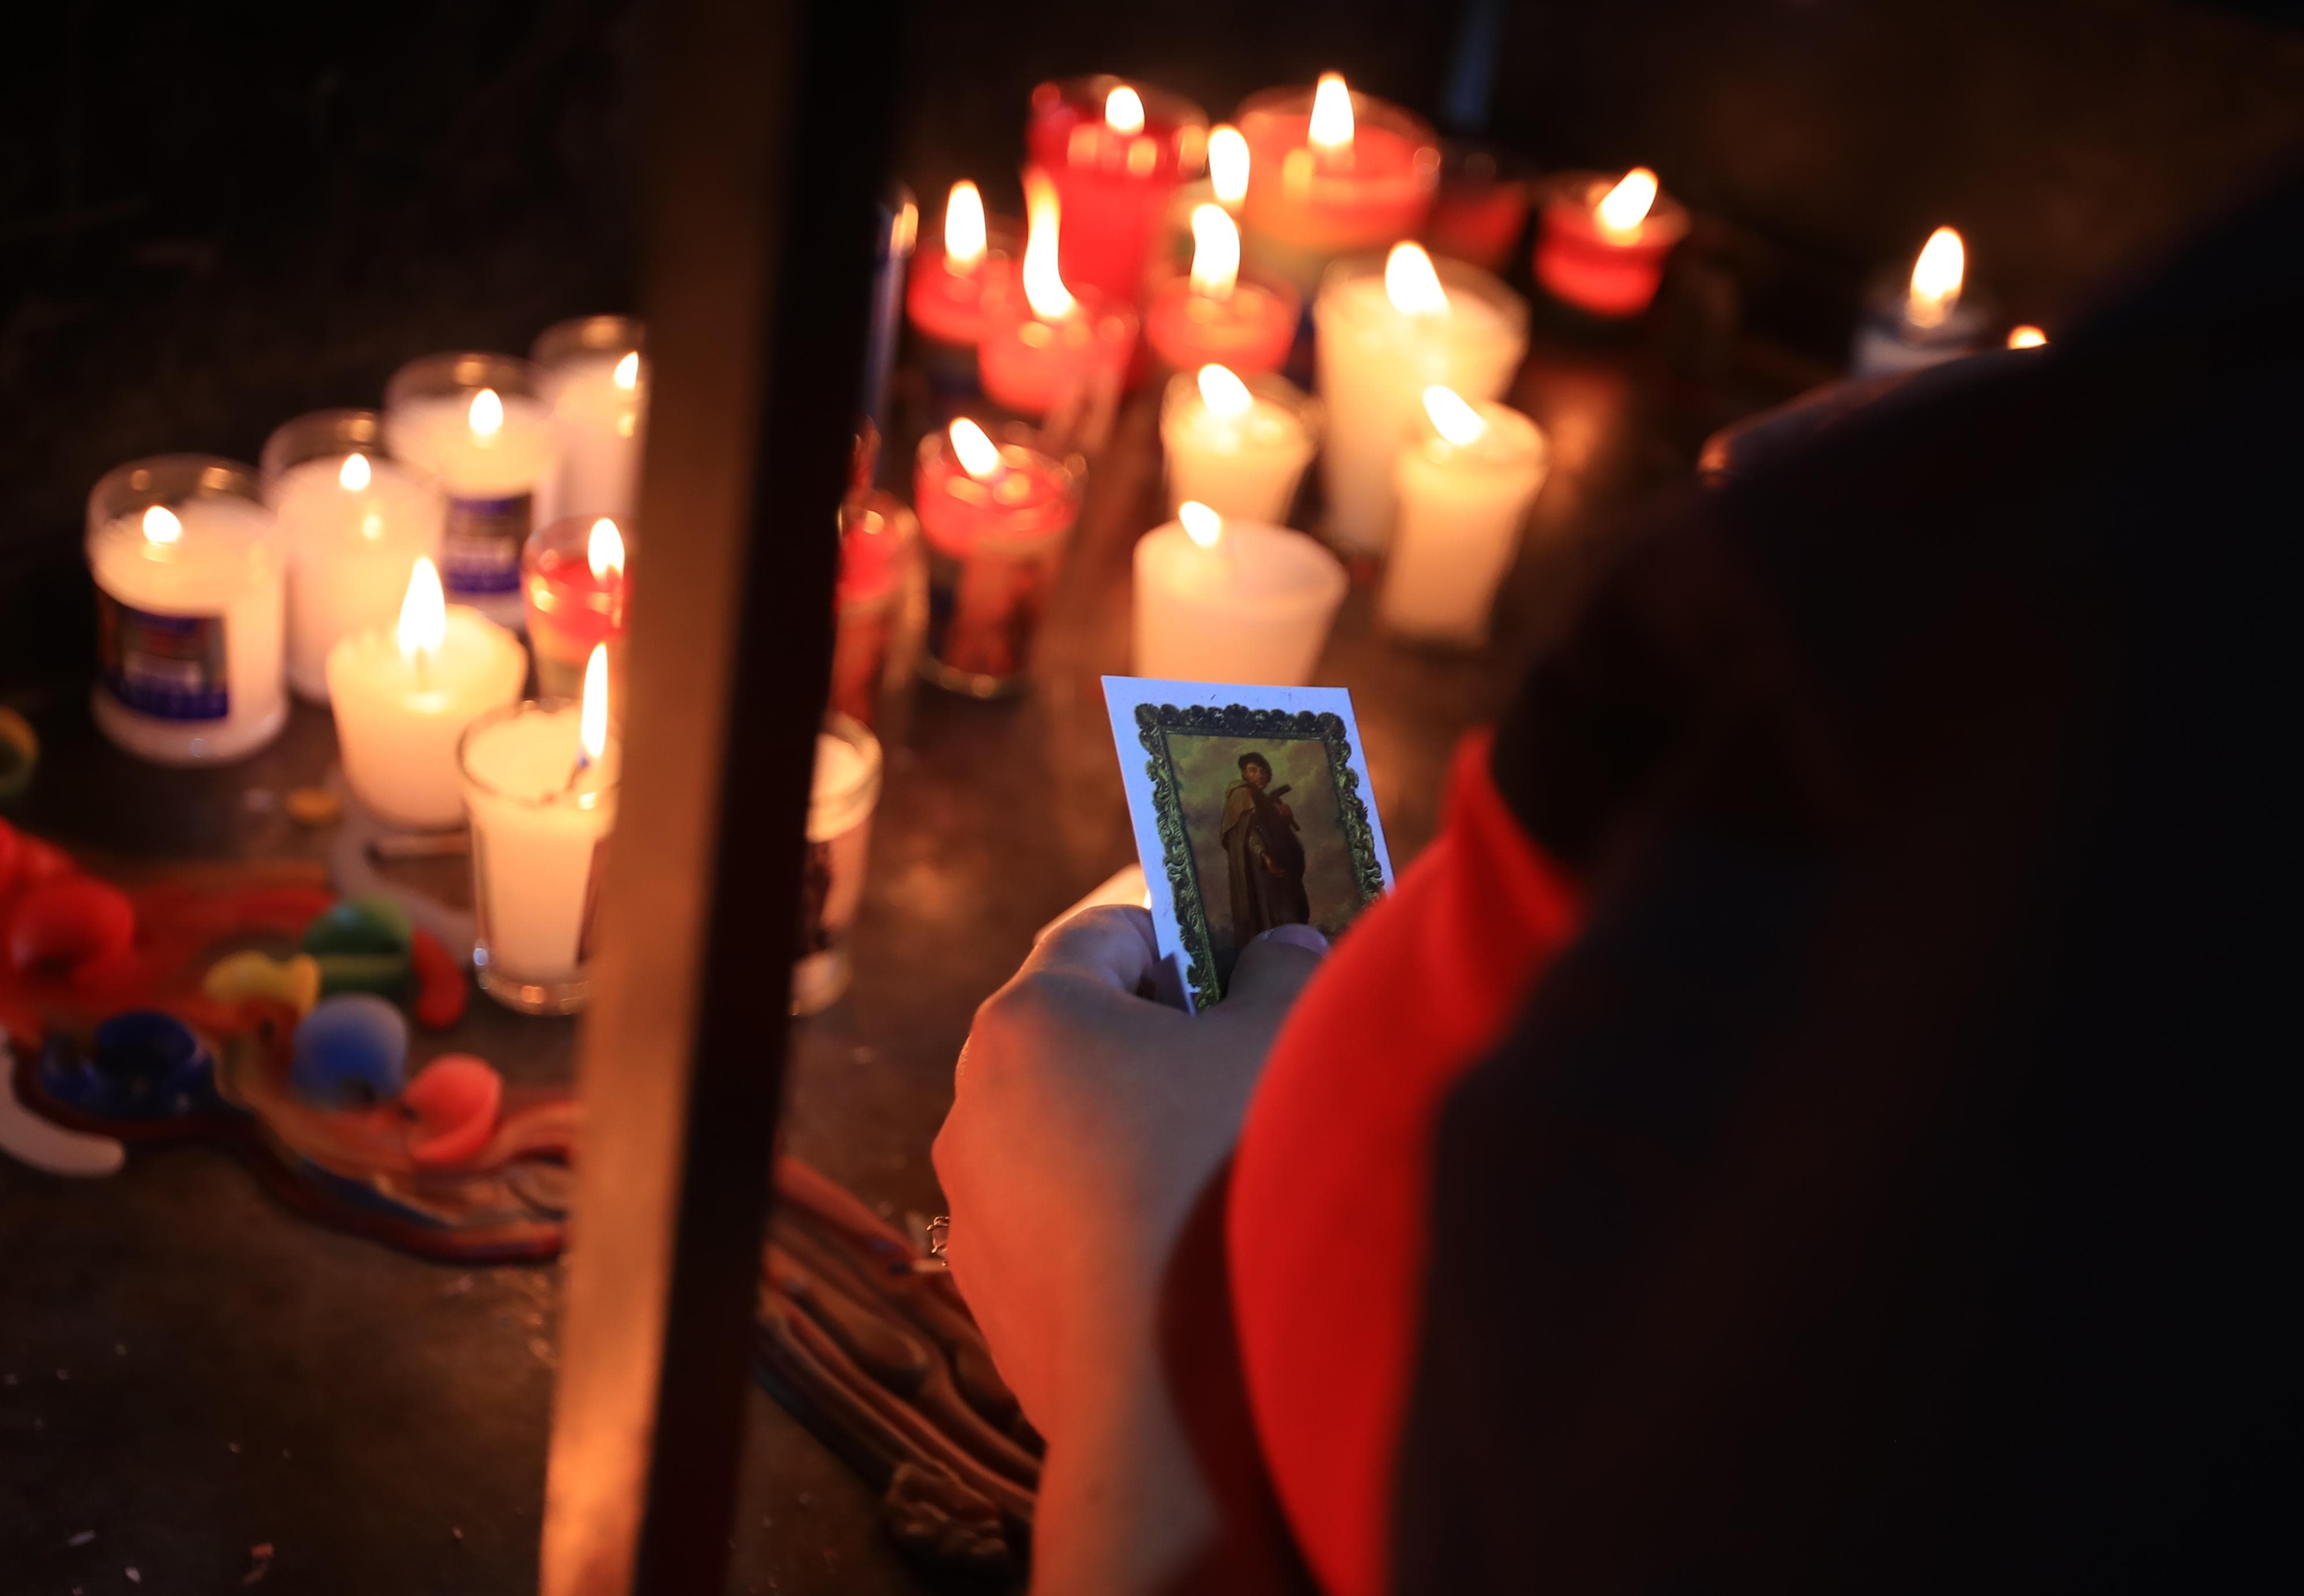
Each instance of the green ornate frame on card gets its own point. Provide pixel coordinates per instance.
(1155, 723)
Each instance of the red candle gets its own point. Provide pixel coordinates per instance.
(1601, 242)
(1479, 213)
(572, 578)
(996, 517)
(1046, 351)
(944, 297)
(1331, 173)
(1212, 317)
(1116, 151)
(878, 537)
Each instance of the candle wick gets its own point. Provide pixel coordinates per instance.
(583, 763)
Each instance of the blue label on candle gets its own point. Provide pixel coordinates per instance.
(168, 667)
(480, 553)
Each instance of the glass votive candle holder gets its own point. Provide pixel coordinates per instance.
(574, 586)
(1241, 449)
(480, 425)
(843, 792)
(1482, 208)
(1306, 205)
(593, 377)
(191, 593)
(1610, 273)
(995, 544)
(879, 574)
(1039, 367)
(540, 816)
(1116, 150)
(353, 523)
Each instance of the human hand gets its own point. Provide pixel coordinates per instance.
(1086, 1122)
(1286, 814)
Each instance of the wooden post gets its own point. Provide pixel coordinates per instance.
(768, 139)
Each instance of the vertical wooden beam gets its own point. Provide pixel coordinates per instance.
(768, 141)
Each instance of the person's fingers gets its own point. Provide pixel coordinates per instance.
(1110, 942)
(1273, 968)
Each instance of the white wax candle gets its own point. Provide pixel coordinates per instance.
(538, 843)
(1255, 609)
(843, 792)
(1463, 502)
(599, 420)
(352, 534)
(491, 475)
(1375, 362)
(1244, 465)
(399, 713)
(191, 602)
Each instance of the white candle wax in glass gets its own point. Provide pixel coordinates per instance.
(1465, 478)
(842, 792)
(191, 602)
(1238, 447)
(1460, 328)
(595, 382)
(352, 524)
(1241, 602)
(476, 424)
(540, 828)
(403, 697)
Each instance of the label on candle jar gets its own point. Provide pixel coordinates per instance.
(168, 667)
(480, 551)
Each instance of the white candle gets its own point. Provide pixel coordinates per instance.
(474, 422)
(403, 698)
(1386, 332)
(1236, 448)
(1926, 321)
(1465, 483)
(191, 596)
(843, 792)
(1220, 600)
(353, 524)
(540, 793)
(596, 384)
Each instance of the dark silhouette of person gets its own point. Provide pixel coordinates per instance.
(1266, 855)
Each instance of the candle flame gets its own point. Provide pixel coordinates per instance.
(1228, 165)
(1452, 417)
(1332, 114)
(1936, 279)
(486, 414)
(161, 525)
(1044, 284)
(2027, 336)
(628, 370)
(1226, 396)
(1123, 110)
(592, 722)
(1215, 251)
(604, 551)
(1202, 525)
(355, 475)
(963, 227)
(423, 614)
(980, 456)
(1412, 285)
(1623, 208)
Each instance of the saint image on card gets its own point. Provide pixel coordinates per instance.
(1252, 810)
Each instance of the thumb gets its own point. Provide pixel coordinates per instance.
(1274, 968)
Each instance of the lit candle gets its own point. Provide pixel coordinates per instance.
(353, 524)
(1925, 320)
(595, 380)
(1389, 328)
(944, 299)
(573, 577)
(2027, 336)
(1466, 481)
(539, 789)
(1332, 172)
(1601, 242)
(1238, 450)
(477, 424)
(1224, 601)
(996, 517)
(191, 609)
(403, 698)
(1212, 316)
(1116, 151)
(1045, 351)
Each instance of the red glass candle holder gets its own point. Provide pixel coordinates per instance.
(1306, 207)
(1481, 209)
(1038, 368)
(1610, 274)
(993, 551)
(1251, 330)
(880, 562)
(946, 303)
(571, 611)
(1114, 186)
